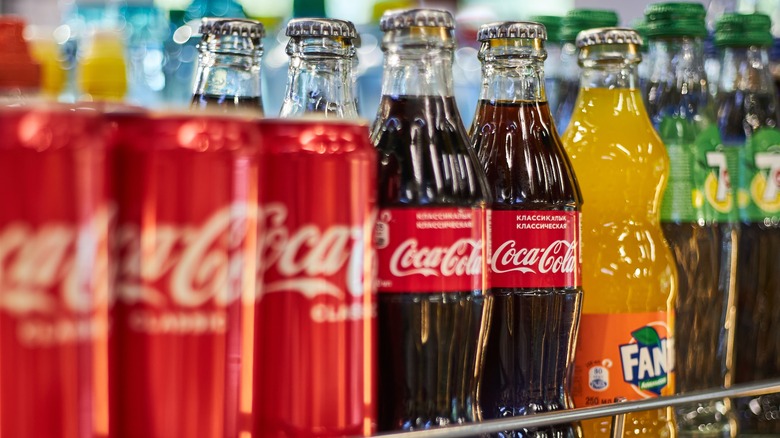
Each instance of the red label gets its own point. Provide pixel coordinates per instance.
(430, 249)
(535, 249)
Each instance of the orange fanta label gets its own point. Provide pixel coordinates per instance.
(628, 355)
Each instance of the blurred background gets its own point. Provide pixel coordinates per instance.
(144, 51)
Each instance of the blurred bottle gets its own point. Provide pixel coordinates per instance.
(626, 340)
(48, 53)
(646, 66)
(180, 47)
(369, 69)
(145, 30)
(748, 120)
(552, 65)
(774, 64)
(715, 9)
(102, 70)
(575, 21)
(320, 80)
(229, 73)
(20, 73)
(179, 58)
(698, 212)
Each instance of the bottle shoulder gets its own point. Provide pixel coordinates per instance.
(425, 157)
(523, 157)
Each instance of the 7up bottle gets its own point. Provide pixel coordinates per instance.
(699, 214)
(748, 118)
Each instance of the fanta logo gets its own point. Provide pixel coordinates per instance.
(464, 257)
(558, 257)
(305, 259)
(645, 362)
(55, 268)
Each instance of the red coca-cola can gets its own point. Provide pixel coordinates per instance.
(315, 325)
(181, 344)
(54, 274)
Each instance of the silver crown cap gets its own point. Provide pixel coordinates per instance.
(406, 18)
(608, 35)
(232, 26)
(320, 27)
(512, 29)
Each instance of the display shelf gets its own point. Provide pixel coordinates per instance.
(617, 410)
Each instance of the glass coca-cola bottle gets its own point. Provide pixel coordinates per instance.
(534, 250)
(430, 231)
(320, 78)
(228, 77)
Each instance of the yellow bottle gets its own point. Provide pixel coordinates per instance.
(626, 342)
(102, 72)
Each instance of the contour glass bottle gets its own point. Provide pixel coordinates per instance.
(320, 79)
(698, 212)
(228, 77)
(626, 340)
(534, 253)
(431, 232)
(748, 120)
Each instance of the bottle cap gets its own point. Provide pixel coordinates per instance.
(102, 72)
(640, 26)
(18, 69)
(743, 30)
(252, 29)
(553, 24)
(675, 19)
(511, 29)
(405, 19)
(320, 27)
(578, 20)
(608, 35)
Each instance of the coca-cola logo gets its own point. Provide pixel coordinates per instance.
(310, 259)
(55, 268)
(185, 265)
(558, 257)
(463, 257)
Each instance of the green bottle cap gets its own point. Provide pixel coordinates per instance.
(743, 30)
(578, 20)
(640, 26)
(552, 23)
(675, 20)
(308, 8)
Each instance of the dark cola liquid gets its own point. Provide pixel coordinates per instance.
(531, 340)
(757, 343)
(428, 342)
(222, 103)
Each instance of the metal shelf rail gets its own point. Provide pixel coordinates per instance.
(616, 410)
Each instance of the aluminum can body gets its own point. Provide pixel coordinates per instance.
(181, 343)
(316, 314)
(55, 283)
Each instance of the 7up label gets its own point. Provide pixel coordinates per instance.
(700, 172)
(759, 188)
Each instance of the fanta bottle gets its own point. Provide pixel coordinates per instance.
(626, 343)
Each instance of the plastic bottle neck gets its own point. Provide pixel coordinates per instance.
(678, 76)
(611, 66)
(745, 69)
(320, 78)
(229, 66)
(513, 70)
(418, 62)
